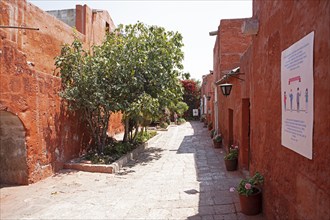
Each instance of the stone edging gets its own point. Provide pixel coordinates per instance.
(166, 129)
(115, 166)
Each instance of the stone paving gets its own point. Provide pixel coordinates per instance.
(180, 176)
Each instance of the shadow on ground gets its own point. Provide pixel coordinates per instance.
(147, 156)
(215, 199)
(60, 173)
(8, 185)
(64, 172)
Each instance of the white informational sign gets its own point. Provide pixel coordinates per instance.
(195, 112)
(297, 96)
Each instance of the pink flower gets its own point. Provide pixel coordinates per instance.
(232, 189)
(248, 186)
(236, 147)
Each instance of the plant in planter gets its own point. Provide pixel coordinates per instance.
(217, 139)
(250, 194)
(202, 119)
(231, 158)
(181, 121)
(210, 126)
(212, 133)
(205, 123)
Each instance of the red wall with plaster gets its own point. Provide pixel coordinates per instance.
(207, 91)
(53, 135)
(295, 187)
(230, 45)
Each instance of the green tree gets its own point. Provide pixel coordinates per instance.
(85, 85)
(149, 62)
(181, 108)
(144, 110)
(185, 76)
(191, 95)
(135, 71)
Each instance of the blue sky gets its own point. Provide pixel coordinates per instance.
(193, 19)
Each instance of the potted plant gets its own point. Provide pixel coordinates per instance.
(231, 158)
(205, 123)
(217, 139)
(250, 194)
(210, 126)
(202, 119)
(212, 133)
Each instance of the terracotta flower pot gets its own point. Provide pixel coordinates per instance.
(216, 144)
(231, 165)
(252, 204)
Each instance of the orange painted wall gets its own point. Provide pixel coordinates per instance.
(230, 45)
(208, 92)
(295, 187)
(53, 135)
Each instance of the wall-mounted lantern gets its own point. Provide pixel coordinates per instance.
(226, 88)
(209, 96)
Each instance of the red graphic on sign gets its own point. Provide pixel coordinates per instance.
(296, 78)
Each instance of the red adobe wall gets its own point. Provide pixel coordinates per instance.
(92, 24)
(230, 46)
(295, 187)
(204, 90)
(53, 135)
(208, 91)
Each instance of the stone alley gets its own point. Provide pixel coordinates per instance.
(180, 176)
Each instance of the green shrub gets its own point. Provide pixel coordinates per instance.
(217, 138)
(145, 136)
(181, 121)
(232, 155)
(123, 148)
(212, 133)
(111, 153)
(164, 125)
(248, 186)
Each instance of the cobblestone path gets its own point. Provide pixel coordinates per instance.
(180, 176)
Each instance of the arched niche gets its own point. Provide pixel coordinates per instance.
(13, 164)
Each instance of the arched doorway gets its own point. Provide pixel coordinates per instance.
(13, 166)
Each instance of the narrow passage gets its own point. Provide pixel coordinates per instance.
(180, 176)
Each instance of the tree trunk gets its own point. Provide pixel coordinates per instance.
(136, 131)
(105, 123)
(89, 118)
(126, 129)
(142, 131)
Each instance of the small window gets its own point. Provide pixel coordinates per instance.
(107, 27)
